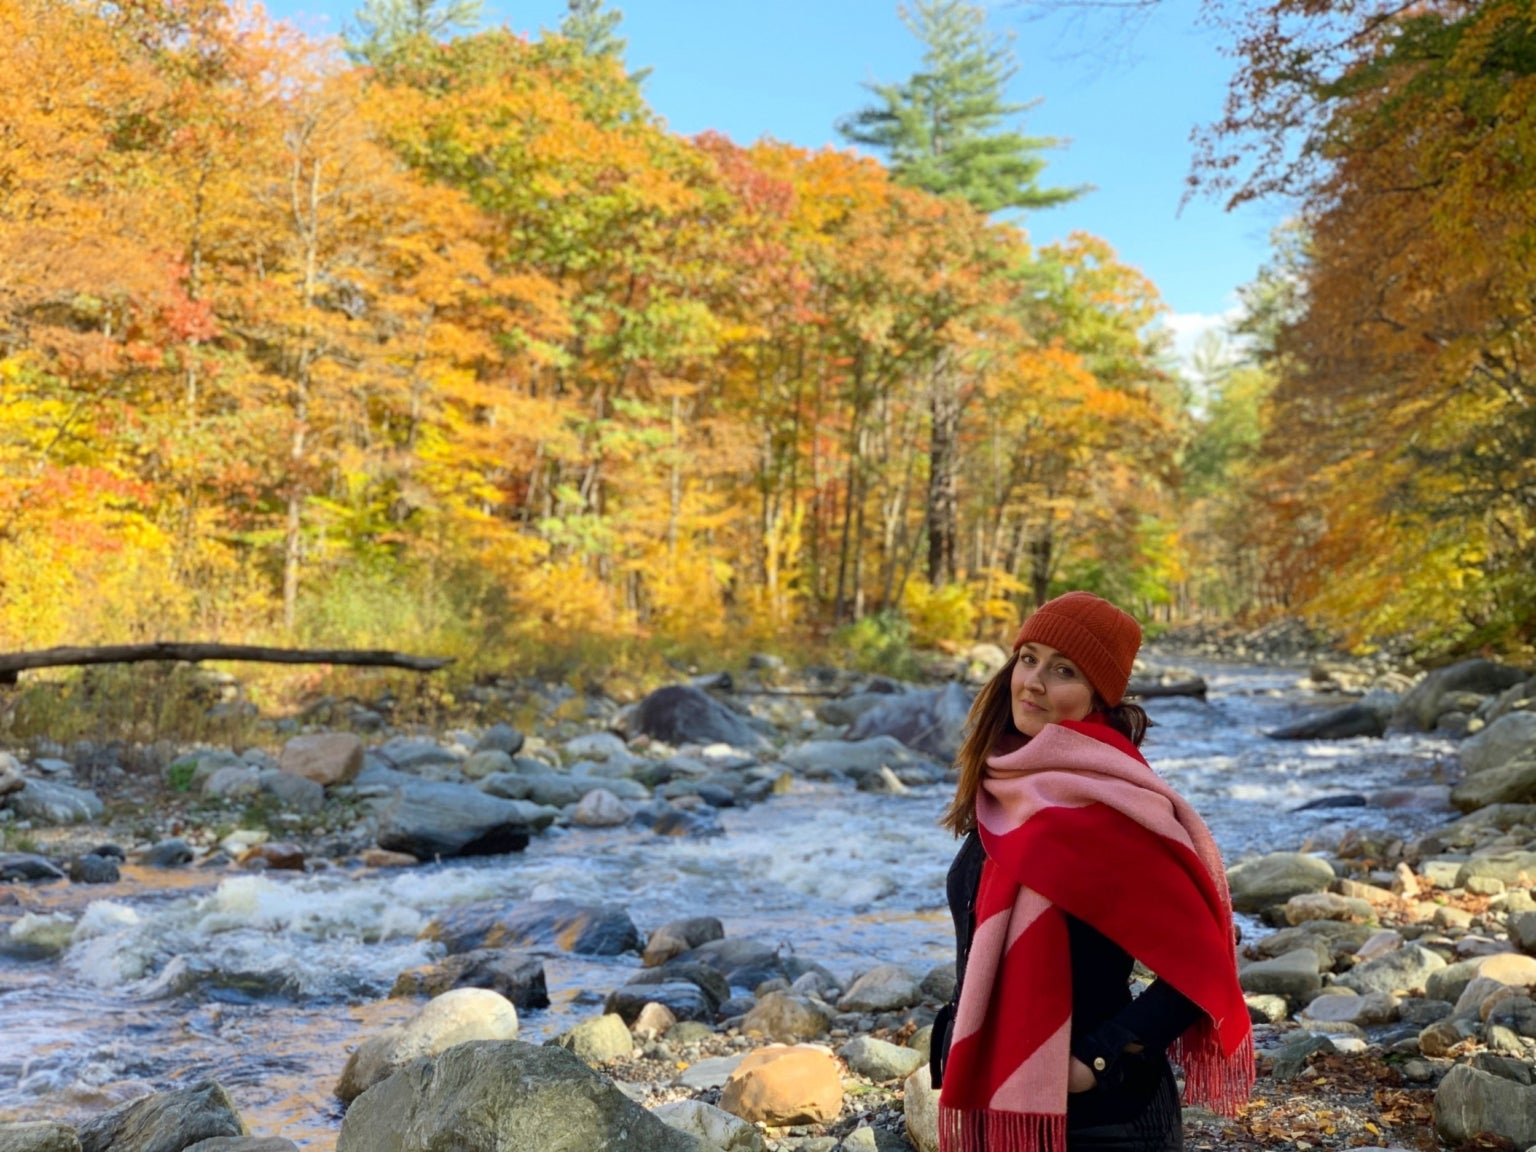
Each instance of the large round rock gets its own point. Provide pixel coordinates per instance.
(503, 1097)
(1275, 878)
(682, 714)
(164, 1120)
(464, 1014)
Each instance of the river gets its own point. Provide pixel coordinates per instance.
(262, 981)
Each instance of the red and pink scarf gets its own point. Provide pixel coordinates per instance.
(1074, 821)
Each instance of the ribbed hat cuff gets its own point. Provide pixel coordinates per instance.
(1080, 646)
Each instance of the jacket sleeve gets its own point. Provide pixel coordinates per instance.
(1155, 1019)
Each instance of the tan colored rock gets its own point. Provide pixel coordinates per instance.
(11, 779)
(1441, 1037)
(1370, 893)
(600, 808)
(1448, 917)
(1473, 1003)
(1512, 968)
(384, 858)
(654, 1020)
(785, 1085)
(278, 854)
(1406, 884)
(785, 1018)
(1326, 906)
(1379, 944)
(1349, 1008)
(327, 758)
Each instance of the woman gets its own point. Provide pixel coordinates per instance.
(1078, 859)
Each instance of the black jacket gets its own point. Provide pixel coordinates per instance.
(1105, 1017)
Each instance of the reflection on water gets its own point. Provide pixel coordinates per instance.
(264, 982)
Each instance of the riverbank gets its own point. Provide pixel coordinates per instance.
(789, 840)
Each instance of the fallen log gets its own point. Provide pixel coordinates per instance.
(12, 663)
(1147, 689)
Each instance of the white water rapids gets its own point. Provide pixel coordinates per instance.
(263, 981)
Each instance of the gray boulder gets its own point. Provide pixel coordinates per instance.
(1293, 975)
(500, 738)
(1275, 878)
(164, 1122)
(294, 793)
(1469, 1102)
(586, 929)
(859, 759)
(47, 802)
(1514, 868)
(880, 1059)
(504, 1097)
(743, 963)
(90, 868)
(599, 1040)
(552, 789)
(38, 1136)
(884, 988)
(1366, 717)
(518, 977)
(412, 754)
(1512, 782)
(1424, 704)
(675, 937)
(11, 778)
(716, 1129)
(931, 721)
(680, 714)
(232, 782)
(27, 866)
(172, 853)
(709, 981)
(1507, 738)
(847, 709)
(684, 999)
(1407, 969)
(430, 820)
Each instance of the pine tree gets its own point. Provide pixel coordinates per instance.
(383, 26)
(595, 27)
(945, 129)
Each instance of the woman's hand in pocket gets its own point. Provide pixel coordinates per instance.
(1080, 1077)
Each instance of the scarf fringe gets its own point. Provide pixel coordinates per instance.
(1220, 1083)
(979, 1130)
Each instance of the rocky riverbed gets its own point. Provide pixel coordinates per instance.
(712, 918)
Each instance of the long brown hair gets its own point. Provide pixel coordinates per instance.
(990, 723)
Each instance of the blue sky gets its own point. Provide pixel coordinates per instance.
(1125, 90)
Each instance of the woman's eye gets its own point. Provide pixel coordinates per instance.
(1065, 671)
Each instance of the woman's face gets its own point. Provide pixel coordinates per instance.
(1047, 688)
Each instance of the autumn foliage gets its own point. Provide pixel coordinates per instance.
(1393, 495)
(467, 350)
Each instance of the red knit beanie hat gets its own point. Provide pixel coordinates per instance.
(1092, 633)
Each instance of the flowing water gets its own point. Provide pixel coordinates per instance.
(263, 981)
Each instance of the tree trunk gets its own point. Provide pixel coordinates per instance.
(943, 478)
